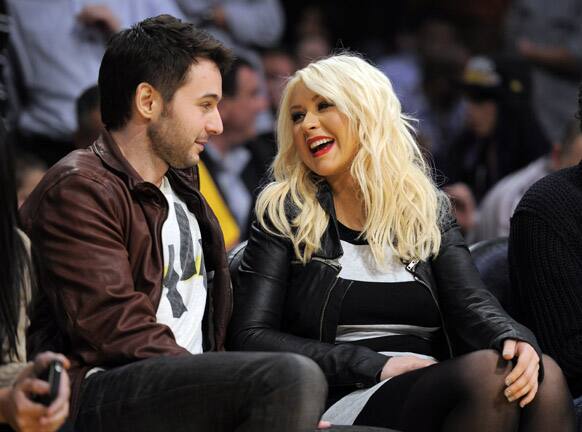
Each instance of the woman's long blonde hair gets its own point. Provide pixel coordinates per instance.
(402, 205)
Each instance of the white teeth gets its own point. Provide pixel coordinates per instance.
(320, 142)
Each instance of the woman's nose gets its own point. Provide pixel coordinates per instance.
(310, 121)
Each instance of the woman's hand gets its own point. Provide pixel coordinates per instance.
(21, 413)
(401, 364)
(522, 382)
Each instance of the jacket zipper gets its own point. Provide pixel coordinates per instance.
(337, 267)
(330, 262)
(410, 267)
(325, 303)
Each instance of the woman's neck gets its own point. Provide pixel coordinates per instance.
(349, 208)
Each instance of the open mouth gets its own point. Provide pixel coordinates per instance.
(321, 146)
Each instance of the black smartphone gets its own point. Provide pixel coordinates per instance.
(53, 376)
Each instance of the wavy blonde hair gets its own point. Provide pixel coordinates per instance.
(402, 205)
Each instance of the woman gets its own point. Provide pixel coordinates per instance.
(18, 380)
(354, 262)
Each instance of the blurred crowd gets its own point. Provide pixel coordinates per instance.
(491, 85)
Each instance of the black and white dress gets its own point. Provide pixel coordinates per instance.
(384, 309)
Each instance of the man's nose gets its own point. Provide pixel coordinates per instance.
(214, 126)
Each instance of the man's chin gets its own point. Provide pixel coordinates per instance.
(191, 163)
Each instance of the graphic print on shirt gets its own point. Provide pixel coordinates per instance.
(189, 267)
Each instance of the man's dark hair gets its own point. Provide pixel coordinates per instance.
(86, 104)
(159, 51)
(230, 78)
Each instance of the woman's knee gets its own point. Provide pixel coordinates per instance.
(553, 377)
(483, 373)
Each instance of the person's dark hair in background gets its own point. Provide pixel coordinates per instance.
(89, 124)
(230, 80)
(164, 49)
(15, 261)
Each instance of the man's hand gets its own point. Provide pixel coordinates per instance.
(101, 17)
(401, 364)
(21, 413)
(522, 381)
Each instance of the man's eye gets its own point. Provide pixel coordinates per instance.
(297, 116)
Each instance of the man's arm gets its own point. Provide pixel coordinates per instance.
(86, 274)
(546, 276)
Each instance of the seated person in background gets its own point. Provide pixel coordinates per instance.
(500, 202)
(135, 280)
(355, 262)
(18, 379)
(501, 134)
(89, 124)
(545, 257)
(234, 169)
(29, 172)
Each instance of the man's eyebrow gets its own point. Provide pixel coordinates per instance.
(211, 96)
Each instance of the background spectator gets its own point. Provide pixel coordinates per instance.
(549, 37)
(500, 202)
(89, 124)
(501, 133)
(29, 172)
(545, 257)
(233, 168)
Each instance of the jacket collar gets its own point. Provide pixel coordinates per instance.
(108, 151)
(330, 243)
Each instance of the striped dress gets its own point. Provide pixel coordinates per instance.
(384, 309)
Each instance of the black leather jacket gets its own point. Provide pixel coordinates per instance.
(282, 305)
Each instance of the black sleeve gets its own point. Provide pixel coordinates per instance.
(469, 308)
(546, 276)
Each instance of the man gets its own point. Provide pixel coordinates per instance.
(500, 202)
(235, 168)
(545, 257)
(134, 270)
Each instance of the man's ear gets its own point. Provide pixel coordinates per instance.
(148, 101)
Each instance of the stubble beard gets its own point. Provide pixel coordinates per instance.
(167, 145)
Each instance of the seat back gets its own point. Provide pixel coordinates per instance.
(490, 257)
(234, 259)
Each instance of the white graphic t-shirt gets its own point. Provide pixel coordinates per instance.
(184, 286)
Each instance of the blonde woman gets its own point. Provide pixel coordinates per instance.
(354, 262)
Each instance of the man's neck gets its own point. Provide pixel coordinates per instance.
(135, 146)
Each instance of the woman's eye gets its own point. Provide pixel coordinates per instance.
(297, 116)
(323, 105)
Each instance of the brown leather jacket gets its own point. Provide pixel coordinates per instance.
(97, 226)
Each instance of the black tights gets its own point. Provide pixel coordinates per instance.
(466, 394)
